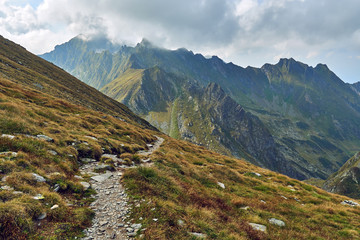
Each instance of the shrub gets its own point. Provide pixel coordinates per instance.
(83, 216)
(14, 221)
(10, 126)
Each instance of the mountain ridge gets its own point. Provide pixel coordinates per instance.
(177, 190)
(291, 98)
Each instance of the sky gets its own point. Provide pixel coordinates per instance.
(245, 32)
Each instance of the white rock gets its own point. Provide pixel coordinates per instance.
(180, 222)
(257, 174)
(87, 160)
(91, 137)
(221, 185)
(102, 177)
(54, 207)
(8, 154)
(6, 187)
(4, 178)
(277, 222)
(8, 136)
(44, 137)
(349, 203)
(198, 235)
(52, 152)
(39, 197)
(38, 178)
(42, 216)
(86, 185)
(136, 225)
(258, 227)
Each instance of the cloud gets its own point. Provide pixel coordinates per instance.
(246, 32)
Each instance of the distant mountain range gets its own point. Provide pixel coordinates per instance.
(298, 120)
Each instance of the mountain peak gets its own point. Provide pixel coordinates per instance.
(145, 43)
(287, 62)
(323, 66)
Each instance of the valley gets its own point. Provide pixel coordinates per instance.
(303, 114)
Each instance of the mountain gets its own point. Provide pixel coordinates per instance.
(46, 77)
(346, 180)
(356, 87)
(49, 146)
(310, 113)
(205, 116)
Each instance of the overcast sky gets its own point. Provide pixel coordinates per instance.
(245, 32)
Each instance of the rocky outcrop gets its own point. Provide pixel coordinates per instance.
(346, 181)
(242, 132)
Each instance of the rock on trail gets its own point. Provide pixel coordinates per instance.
(111, 206)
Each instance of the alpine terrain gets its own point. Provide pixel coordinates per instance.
(76, 164)
(299, 120)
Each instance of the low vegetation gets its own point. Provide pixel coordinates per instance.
(74, 132)
(186, 196)
(187, 192)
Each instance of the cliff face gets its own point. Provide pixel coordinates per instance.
(346, 181)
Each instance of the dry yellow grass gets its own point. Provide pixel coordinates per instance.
(181, 185)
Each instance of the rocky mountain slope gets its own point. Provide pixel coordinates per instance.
(59, 160)
(310, 113)
(205, 116)
(356, 87)
(346, 180)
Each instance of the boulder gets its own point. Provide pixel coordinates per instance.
(52, 152)
(42, 216)
(258, 227)
(102, 177)
(198, 235)
(44, 137)
(85, 185)
(38, 178)
(8, 136)
(277, 222)
(54, 207)
(221, 185)
(349, 203)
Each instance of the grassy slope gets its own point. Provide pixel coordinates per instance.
(182, 184)
(20, 66)
(28, 112)
(122, 88)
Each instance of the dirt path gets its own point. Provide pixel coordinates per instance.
(111, 206)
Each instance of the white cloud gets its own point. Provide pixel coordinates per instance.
(246, 32)
(312, 54)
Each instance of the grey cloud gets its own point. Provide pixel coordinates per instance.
(314, 22)
(207, 21)
(305, 29)
(2, 14)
